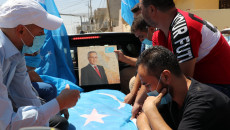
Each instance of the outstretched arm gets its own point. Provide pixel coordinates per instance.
(188, 67)
(126, 59)
(142, 122)
(132, 95)
(139, 101)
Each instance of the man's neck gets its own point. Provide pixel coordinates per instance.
(93, 65)
(180, 88)
(11, 36)
(166, 20)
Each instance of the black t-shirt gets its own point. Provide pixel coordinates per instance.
(204, 108)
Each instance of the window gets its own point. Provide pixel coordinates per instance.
(224, 4)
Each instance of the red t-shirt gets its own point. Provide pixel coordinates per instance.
(192, 37)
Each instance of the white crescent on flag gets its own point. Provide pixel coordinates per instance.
(115, 98)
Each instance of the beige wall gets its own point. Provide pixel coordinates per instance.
(206, 4)
(114, 6)
(208, 10)
(122, 26)
(218, 17)
(197, 4)
(184, 4)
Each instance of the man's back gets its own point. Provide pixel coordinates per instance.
(192, 37)
(14, 74)
(204, 108)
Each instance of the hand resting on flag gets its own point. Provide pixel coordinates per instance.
(68, 98)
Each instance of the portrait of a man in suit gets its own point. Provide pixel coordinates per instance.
(93, 74)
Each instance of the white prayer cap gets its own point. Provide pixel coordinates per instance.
(15, 12)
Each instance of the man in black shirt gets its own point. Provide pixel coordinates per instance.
(178, 102)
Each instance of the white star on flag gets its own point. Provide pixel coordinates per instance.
(115, 98)
(94, 116)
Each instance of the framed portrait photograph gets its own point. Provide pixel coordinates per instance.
(98, 65)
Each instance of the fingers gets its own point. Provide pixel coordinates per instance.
(116, 51)
(68, 98)
(132, 117)
(66, 115)
(67, 86)
(134, 113)
(162, 93)
(136, 109)
(78, 93)
(65, 112)
(126, 99)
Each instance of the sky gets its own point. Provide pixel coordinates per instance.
(79, 7)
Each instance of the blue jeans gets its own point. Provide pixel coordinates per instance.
(224, 88)
(46, 91)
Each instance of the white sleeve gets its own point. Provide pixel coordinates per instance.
(25, 116)
(6, 109)
(33, 116)
(20, 88)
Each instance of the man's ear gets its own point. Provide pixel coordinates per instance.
(19, 30)
(166, 77)
(153, 9)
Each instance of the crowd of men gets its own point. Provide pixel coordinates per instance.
(183, 83)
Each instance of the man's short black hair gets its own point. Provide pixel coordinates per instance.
(162, 5)
(136, 8)
(139, 24)
(157, 59)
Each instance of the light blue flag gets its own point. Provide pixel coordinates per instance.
(55, 53)
(109, 49)
(101, 110)
(60, 83)
(126, 6)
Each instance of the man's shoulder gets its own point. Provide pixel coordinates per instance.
(86, 67)
(198, 86)
(188, 19)
(100, 66)
(200, 90)
(7, 48)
